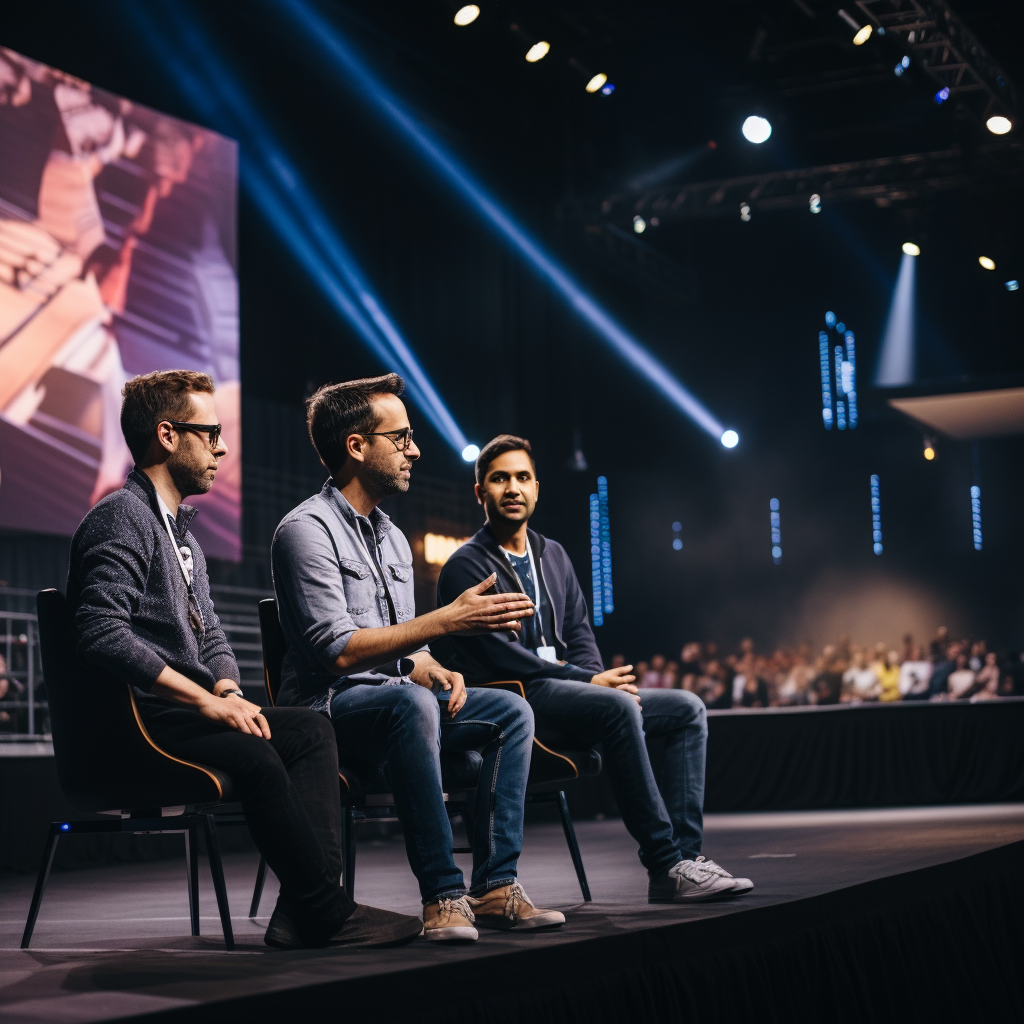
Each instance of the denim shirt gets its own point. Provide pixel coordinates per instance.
(328, 586)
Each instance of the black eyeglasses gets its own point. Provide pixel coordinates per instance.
(213, 430)
(401, 439)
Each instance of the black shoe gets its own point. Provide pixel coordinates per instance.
(366, 927)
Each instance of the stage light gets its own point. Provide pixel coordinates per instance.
(470, 453)
(467, 15)
(607, 90)
(365, 85)
(876, 515)
(756, 129)
(596, 589)
(850, 378)
(826, 378)
(814, 203)
(655, 222)
(1012, 286)
(929, 449)
(744, 212)
(911, 249)
(942, 95)
(840, 327)
(597, 82)
(987, 262)
(639, 225)
(776, 530)
(976, 516)
(730, 439)
(677, 526)
(437, 548)
(538, 51)
(863, 35)
(998, 125)
(902, 66)
(830, 318)
(896, 357)
(677, 544)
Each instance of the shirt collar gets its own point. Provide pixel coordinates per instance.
(378, 519)
(142, 487)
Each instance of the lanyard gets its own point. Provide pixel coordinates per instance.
(186, 566)
(536, 586)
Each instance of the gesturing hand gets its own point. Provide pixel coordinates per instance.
(237, 713)
(474, 612)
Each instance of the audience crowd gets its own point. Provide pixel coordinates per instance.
(942, 670)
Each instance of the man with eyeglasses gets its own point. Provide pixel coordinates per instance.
(572, 694)
(358, 652)
(140, 595)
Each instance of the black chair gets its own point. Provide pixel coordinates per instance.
(366, 794)
(364, 788)
(106, 759)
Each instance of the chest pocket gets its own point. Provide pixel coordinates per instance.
(402, 590)
(360, 590)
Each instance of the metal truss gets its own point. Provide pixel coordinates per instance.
(884, 179)
(949, 51)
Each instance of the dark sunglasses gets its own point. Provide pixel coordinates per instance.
(212, 430)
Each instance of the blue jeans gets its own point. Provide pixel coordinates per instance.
(403, 726)
(668, 824)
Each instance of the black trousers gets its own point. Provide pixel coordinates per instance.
(288, 788)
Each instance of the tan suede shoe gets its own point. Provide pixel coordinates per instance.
(449, 920)
(509, 907)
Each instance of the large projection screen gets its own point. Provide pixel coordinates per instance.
(117, 257)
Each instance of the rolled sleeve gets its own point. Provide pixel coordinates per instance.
(310, 592)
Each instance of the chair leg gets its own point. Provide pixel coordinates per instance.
(348, 839)
(192, 871)
(574, 849)
(217, 870)
(257, 892)
(41, 880)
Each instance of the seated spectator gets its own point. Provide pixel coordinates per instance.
(712, 687)
(860, 681)
(938, 647)
(961, 679)
(937, 685)
(914, 675)
(754, 693)
(689, 667)
(670, 677)
(979, 650)
(651, 679)
(641, 669)
(987, 679)
(828, 681)
(796, 686)
(888, 672)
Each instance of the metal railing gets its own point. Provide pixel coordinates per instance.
(23, 712)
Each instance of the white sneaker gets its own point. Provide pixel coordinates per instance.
(449, 920)
(688, 881)
(739, 885)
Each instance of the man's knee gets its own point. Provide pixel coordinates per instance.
(691, 708)
(416, 706)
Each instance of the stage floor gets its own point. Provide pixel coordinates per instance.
(113, 942)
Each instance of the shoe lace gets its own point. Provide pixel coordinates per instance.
(449, 905)
(692, 871)
(711, 867)
(515, 895)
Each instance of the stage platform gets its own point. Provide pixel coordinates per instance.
(856, 915)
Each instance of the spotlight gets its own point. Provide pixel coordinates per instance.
(730, 439)
(596, 82)
(538, 51)
(830, 318)
(863, 35)
(467, 15)
(942, 95)
(814, 203)
(929, 449)
(608, 89)
(911, 249)
(470, 452)
(677, 544)
(744, 212)
(840, 327)
(639, 224)
(902, 66)
(998, 125)
(1012, 286)
(987, 262)
(756, 129)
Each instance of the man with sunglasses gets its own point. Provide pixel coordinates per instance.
(358, 652)
(140, 595)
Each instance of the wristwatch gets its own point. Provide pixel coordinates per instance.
(232, 693)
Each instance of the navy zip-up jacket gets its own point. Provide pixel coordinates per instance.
(501, 655)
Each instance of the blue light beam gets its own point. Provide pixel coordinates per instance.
(896, 357)
(366, 85)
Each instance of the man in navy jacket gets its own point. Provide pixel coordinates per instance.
(556, 658)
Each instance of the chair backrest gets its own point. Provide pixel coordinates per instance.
(274, 647)
(106, 760)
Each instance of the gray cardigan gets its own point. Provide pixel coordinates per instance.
(129, 599)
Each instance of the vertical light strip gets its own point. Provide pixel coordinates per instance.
(606, 546)
(976, 515)
(826, 380)
(776, 526)
(850, 379)
(876, 515)
(596, 581)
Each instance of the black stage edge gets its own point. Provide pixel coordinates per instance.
(942, 943)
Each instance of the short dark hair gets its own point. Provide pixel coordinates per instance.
(501, 444)
(151, 398)
(335, 411)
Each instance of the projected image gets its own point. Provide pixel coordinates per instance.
(117, 257)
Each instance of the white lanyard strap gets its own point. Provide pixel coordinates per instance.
(536, 586)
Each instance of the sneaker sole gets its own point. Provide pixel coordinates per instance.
(739, 890)
(451, 934)
(503, 924)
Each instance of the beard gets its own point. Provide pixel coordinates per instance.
(187, 469)
(382, 479)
